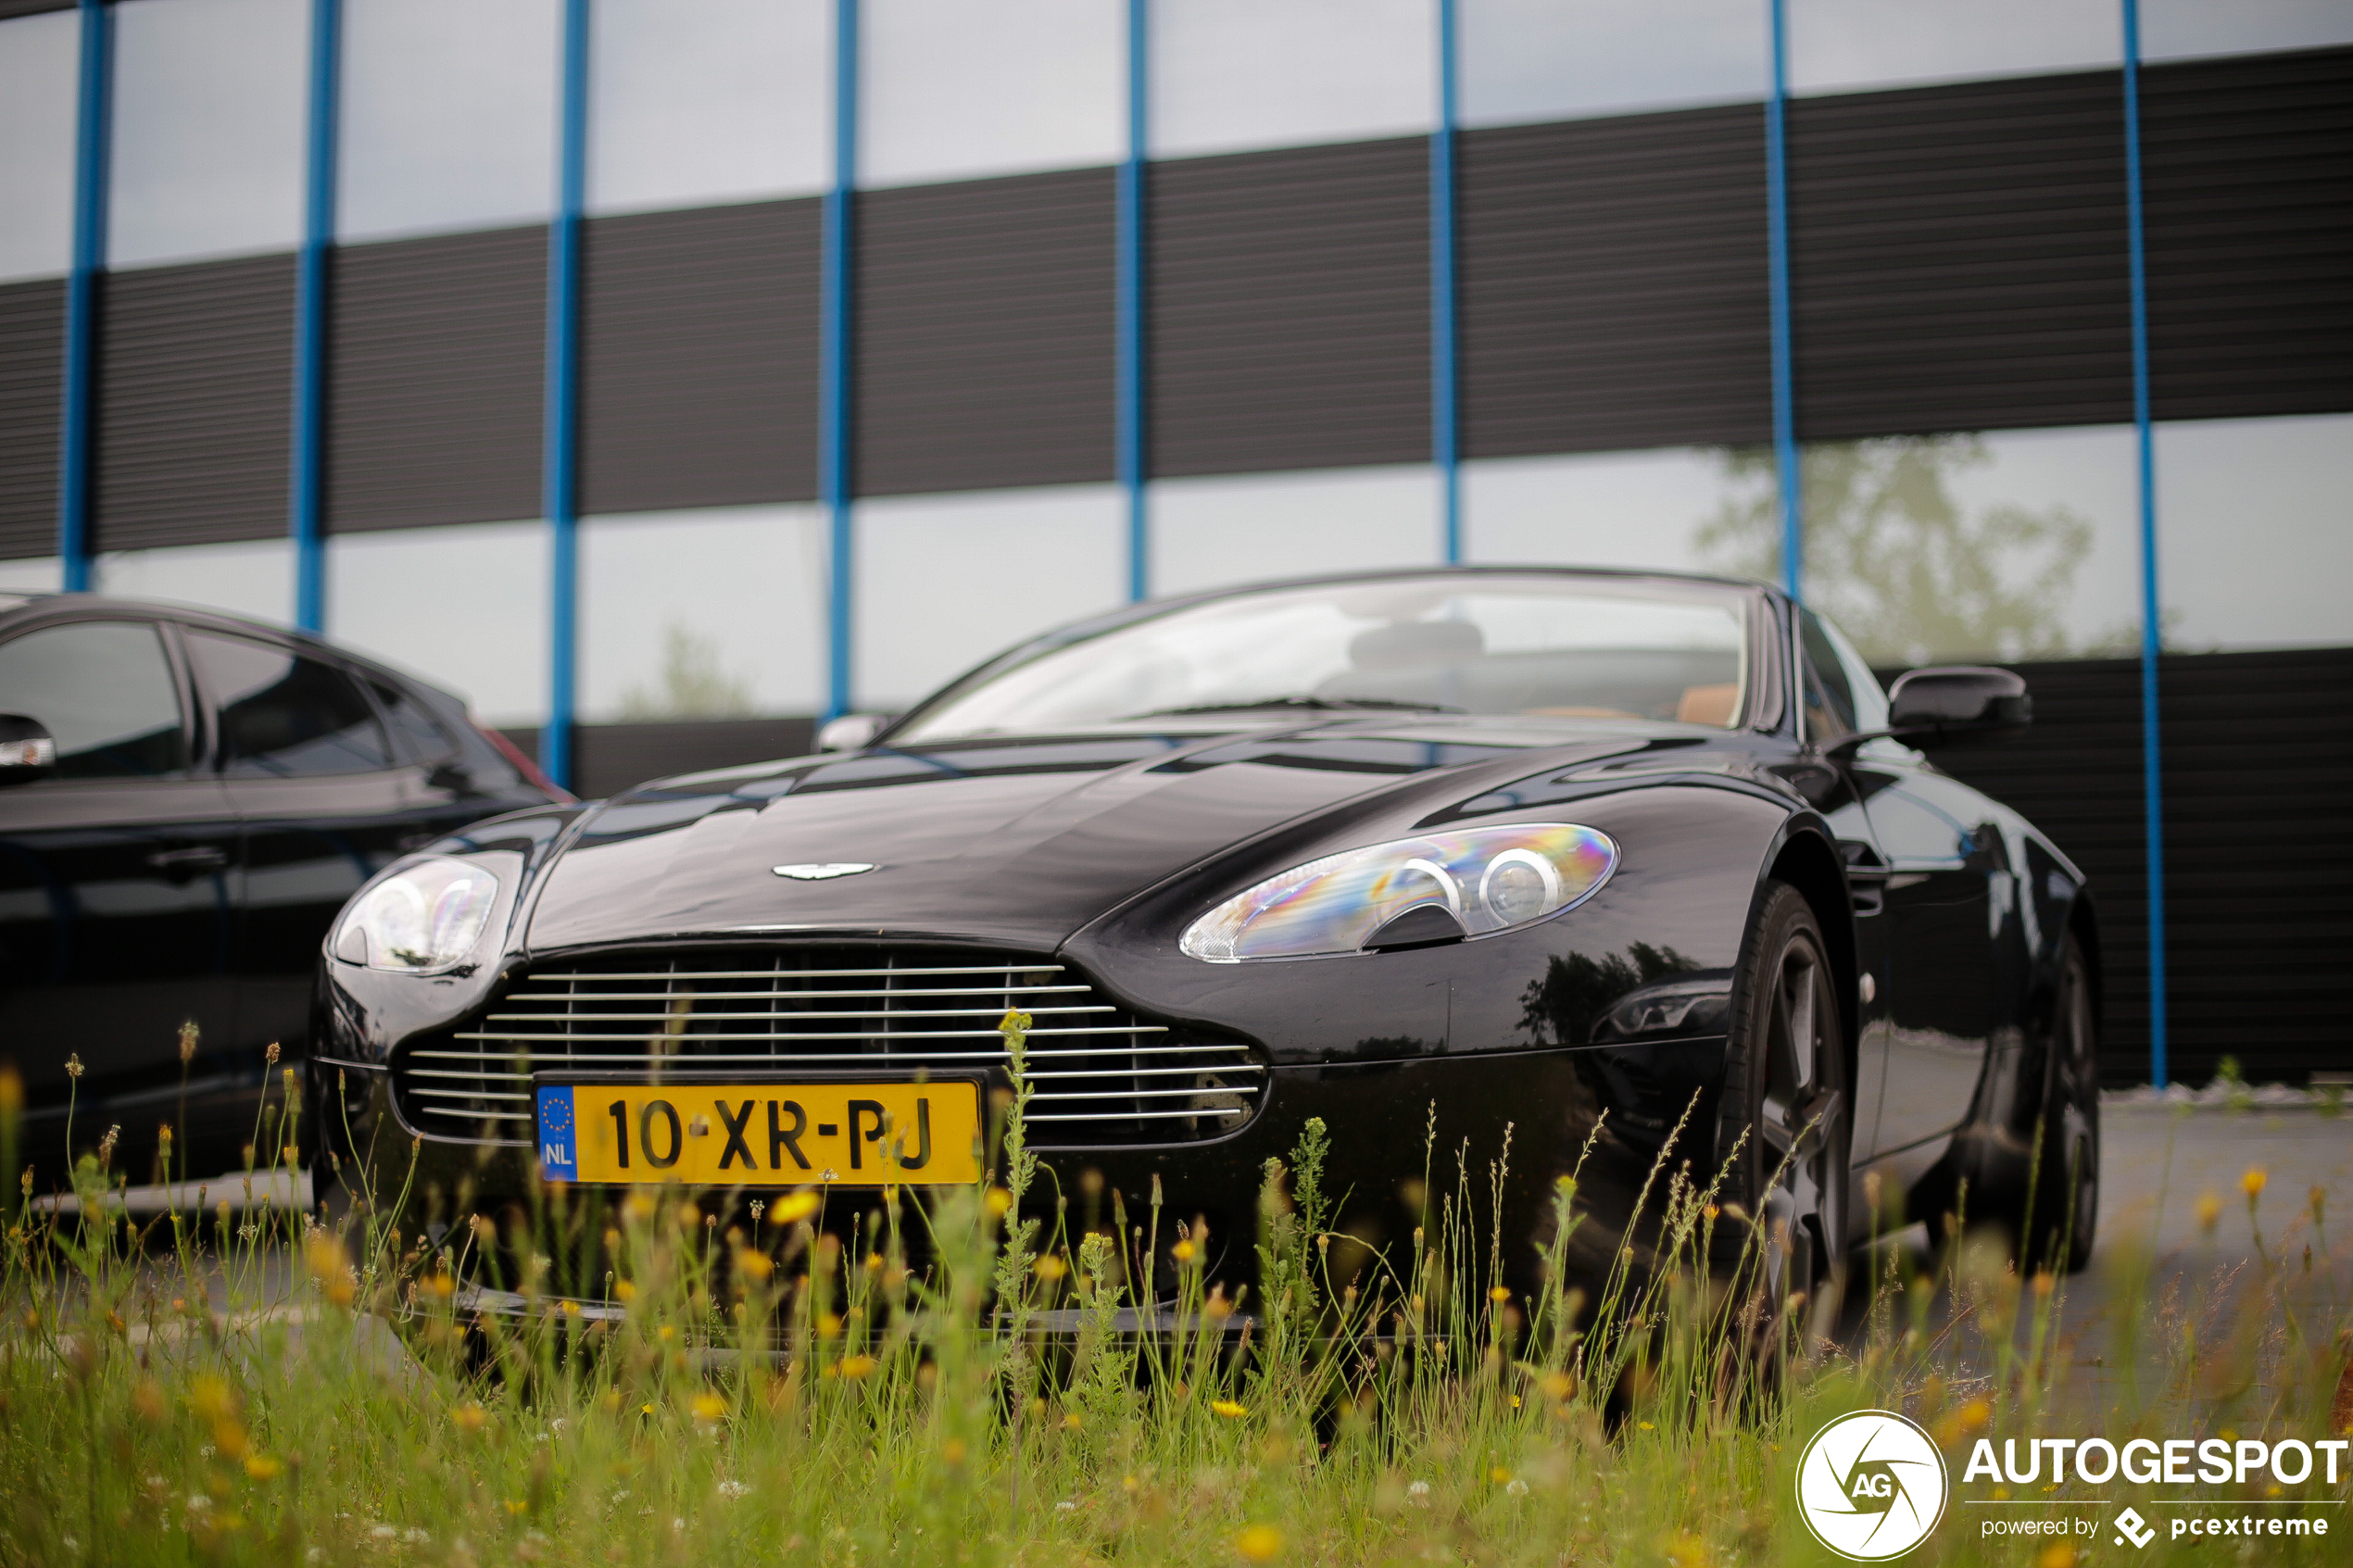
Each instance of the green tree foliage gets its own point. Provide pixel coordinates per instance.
(690, 684)
(1895, 560)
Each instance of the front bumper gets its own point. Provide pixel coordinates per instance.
(1403, 1133)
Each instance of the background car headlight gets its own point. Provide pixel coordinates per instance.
(427, 919)
(1473, 882)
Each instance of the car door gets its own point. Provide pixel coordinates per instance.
(306, 767)
(120, 875)
(1944, 859)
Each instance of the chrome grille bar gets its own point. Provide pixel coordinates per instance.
(1096, 1070)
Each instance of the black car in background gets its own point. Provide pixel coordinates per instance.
(1639, 864)
(185, 801)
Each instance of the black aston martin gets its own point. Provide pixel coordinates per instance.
(1492, 856)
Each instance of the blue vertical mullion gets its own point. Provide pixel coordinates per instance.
(306, 502)
(1128, 285)
(92, 144)
(1443, 354)
(559, 486)
(2152, 627)
(834, 348)
(1786, 460)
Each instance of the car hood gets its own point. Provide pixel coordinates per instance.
(1017, 842)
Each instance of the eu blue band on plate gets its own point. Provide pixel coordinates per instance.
(558, 1150)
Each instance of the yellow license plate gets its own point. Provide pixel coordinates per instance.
(760, 1134)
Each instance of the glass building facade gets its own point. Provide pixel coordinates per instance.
(760, 357)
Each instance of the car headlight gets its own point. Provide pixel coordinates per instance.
(1429, 888)
(427, 919)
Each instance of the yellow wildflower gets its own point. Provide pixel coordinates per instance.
(1259, 1543)
(1229, 1408)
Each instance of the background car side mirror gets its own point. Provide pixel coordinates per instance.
(1960, 703)
(851, 732)
(27, 751)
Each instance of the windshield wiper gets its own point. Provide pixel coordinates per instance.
(1311, 704)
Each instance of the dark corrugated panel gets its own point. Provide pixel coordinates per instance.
(29, 7)
(196, 384)
(984, 336)
(2249, 179)
(1290, 308)
(435, 378)
(611, 758)
(2259, 847)
(1614, 285)
(32, 334)
(1959, 257)
(698, 358)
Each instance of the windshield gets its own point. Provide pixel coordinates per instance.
(1535, 646)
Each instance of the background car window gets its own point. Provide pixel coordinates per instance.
(1830, 701)
(104, 690)
(413, 730)
(285, 716)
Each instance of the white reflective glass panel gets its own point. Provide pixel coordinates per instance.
(211, 112)
(1231, 74)
(1839, 46)
(464, 606)
(717, 101)
(705, 614)
(39, 92)
(32, 574)
(1249, 528)
(1639, 509)
(1559, 60)
(2254, 531)
(248, 577)
(944, 582)
(2173, 28)
(952, 89)
(449, 115)
(2003, 545)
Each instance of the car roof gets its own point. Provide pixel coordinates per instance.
(20, 608)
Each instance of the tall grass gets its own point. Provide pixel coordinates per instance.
(968, 1376)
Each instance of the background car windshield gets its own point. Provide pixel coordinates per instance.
(1523, 646)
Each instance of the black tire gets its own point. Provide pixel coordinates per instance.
(2061, 1217)
(1787, 1087)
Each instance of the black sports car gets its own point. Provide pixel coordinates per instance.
(1487, 851)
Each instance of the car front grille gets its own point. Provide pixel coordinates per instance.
(1099, 1073)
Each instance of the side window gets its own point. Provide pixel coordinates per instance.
(415, 730)
(285, 716)
(105, 690)
(1870, 699)
(1830, 701)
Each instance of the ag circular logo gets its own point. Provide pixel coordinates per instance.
(1871, 1486)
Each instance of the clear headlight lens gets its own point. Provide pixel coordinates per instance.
(427, 919)
(1487, 879)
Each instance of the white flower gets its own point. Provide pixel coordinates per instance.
(733, 1489)
(415, 1538)
(198, 1502)
(1517, 1487)
(621, 1495)
(677, 1523)
(1065, 1506)
(382, 1532)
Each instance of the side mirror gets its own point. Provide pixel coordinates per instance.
(1961, 703)
(27, 751)
(851, 732)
